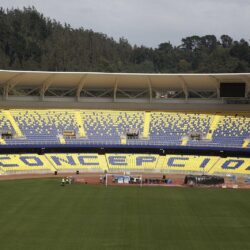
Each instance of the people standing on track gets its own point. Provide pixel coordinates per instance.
(63, 181)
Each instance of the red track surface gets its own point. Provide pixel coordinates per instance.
(94, 178)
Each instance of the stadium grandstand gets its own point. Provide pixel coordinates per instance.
(83, 121)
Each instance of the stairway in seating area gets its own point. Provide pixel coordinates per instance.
(123, 140)
(103, 162)
(79, 123)
(245, 143)
(213, 127)
(184, 141)
(147, 119)
(13, 123)
(61, 139)
(2, 141)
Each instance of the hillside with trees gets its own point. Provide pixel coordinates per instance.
(30, 41)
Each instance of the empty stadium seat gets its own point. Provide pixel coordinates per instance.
(169, 128)
(25, 163)
(132, 161)
(76, 161)
(109, 127)
(68, 162)
(232, 130)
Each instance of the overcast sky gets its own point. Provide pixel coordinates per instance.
(148, 22)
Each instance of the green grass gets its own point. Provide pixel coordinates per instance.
(40, 214)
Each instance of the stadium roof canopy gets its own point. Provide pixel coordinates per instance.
(115, 87)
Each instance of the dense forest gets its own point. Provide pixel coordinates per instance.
(30, 41)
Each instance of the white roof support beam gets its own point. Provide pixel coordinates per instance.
(6, 92)
(10, 84)
(184, 86)
(197, 93)
(216, 83)
(105, 92)
(68, 92)
(45, 85)
(115, 88)
(150, 89)
(247, 81)
(125, 93)
(80, 86)
(141, 93)
(31, 91)
(89, 93)
(13, 79)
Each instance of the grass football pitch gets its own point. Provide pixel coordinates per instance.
(40, 214)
